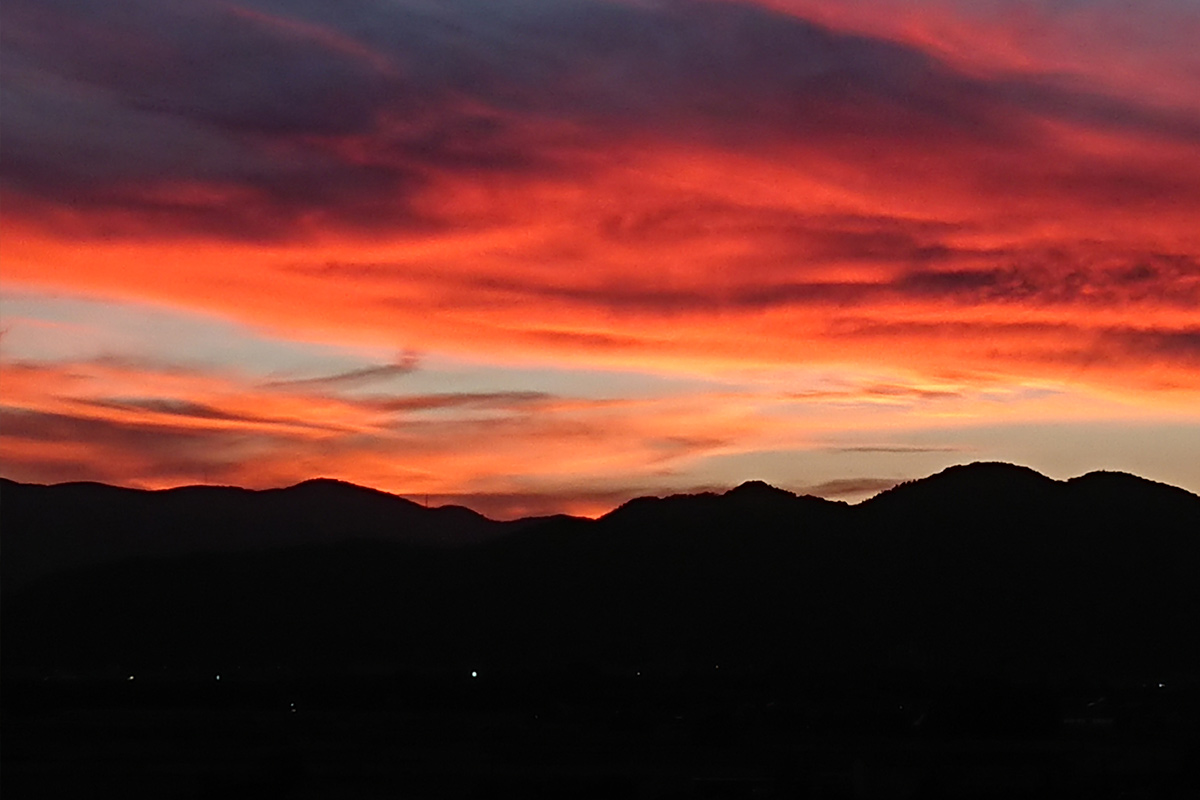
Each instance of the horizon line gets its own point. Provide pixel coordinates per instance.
(415, 498)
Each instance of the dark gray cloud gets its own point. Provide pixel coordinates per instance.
(445, 400)
(313, 113)
(55, 427)
(82, 147)
(187, 409)
(205, 62)
(1153, 343)
(876, 390)
(1073, 275)
(927, 268)
(408, 362)
(120, 451)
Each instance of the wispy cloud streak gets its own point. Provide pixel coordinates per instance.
(355, 377)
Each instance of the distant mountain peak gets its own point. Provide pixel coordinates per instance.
(987, 475)
(332, 483)
(991, 469)
(339, 488)
(759, 489)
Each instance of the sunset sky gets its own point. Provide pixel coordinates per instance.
(533, 257)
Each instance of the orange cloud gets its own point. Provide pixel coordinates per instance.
(154, 425)
(693, 188)
(147, 425)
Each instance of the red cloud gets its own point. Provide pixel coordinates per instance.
(682, 186)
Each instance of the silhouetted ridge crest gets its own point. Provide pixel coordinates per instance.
(1107, 480)
(703, 508)
(50, 528)
(987, 568)
(997, 475)
(994, 486)
(660, 505)
(335, 485)
(759, 489)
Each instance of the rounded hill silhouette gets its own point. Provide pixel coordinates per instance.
(986, 569)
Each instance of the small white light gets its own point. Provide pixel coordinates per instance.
(474, 674)
(130, 677)
(218, 677)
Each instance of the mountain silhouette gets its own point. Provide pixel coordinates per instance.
(50, 528)
(985, 569)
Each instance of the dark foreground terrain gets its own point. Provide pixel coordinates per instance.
(986, 632)
(597, 738)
